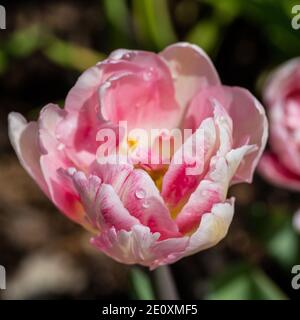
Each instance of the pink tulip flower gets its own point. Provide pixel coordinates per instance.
(139, 212)
(280, 165)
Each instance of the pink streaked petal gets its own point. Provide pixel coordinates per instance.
(274, 171)
(216, 135)
(191, 68)
(111, 173)
(177, 184)
(254, 129)
(61, 191)
(24, 139)
(50, 117)
(238, 103)
(213, 227)
(140, 245)
(142, 199)
(200, 202)
(213, 189)
(103, 206)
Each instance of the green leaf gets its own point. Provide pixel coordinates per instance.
(141, 284)
(71, 55)
(153, 23)
(118, 14)
(23, 42)
(205, 34)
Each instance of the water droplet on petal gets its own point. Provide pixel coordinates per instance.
(146, 204)
(140, 193)
(147, 75)
(60, 147)
(174, 76)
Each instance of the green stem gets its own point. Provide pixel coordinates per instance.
(164, 284)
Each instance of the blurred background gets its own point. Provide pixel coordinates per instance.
(45, 47)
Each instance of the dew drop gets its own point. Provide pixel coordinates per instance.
(174, 76)
(146, 204)
(140, 193)
(147, 75)
(60, 146)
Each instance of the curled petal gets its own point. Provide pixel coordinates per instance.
(177, 183)
(142, 199)
(213, 227)
(239, 104)
(24, 138)
(140, 245)
(212, 189)
(191, 68)
(101, 203)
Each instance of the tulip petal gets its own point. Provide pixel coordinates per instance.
(212, 189)
(239, 104)
(142, 99)
(214, 135)
(192, 70)
(277, 173)
(213, 227)
(24, 139)
(139, 245)
(142, 199)
(103, 206)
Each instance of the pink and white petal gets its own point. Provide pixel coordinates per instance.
(142, 199)
(201, 201)
(180, 180)
(129, 247)
(238, 103)
(253, 129)
(212, 189)
(140, 246)
(274, 171)
(84, 89)
(24, 139)
(102, 205)
(213, 227)
(114, 174)
(50, 117)
(61, 190)
(192, 70)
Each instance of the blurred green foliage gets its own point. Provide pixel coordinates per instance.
(244, 282)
